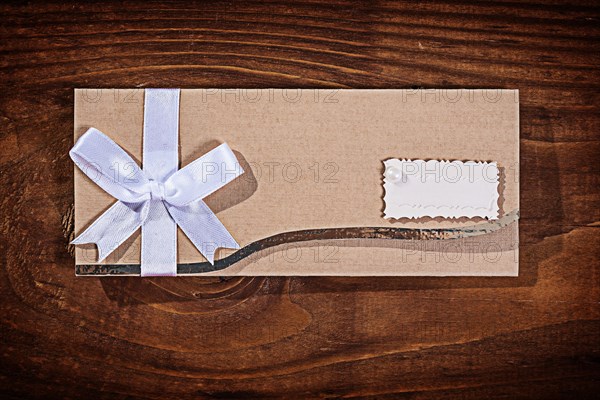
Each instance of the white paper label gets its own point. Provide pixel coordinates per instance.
(450, 189)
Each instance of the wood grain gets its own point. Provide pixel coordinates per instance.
(535, 336)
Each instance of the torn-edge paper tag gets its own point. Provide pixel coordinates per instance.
(449, 189)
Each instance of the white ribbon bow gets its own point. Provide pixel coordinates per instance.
(159, 197)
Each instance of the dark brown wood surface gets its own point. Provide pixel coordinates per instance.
(535, 336)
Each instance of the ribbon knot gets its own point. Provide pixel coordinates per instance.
(157, 190)
(180, 191)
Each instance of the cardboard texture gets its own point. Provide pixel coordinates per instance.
(314, 162)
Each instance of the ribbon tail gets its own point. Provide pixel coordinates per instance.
(113, 227)
(203, 228)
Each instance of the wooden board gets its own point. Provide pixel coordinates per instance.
(533, 336)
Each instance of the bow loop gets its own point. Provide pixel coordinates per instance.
(110, 167)
(204, 176)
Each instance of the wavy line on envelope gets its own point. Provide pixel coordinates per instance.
(270, 242)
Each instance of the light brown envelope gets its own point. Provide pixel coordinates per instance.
(311, 200)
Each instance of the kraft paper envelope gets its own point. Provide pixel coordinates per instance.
(311, 200)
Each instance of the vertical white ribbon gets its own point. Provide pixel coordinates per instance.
(160, 160)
